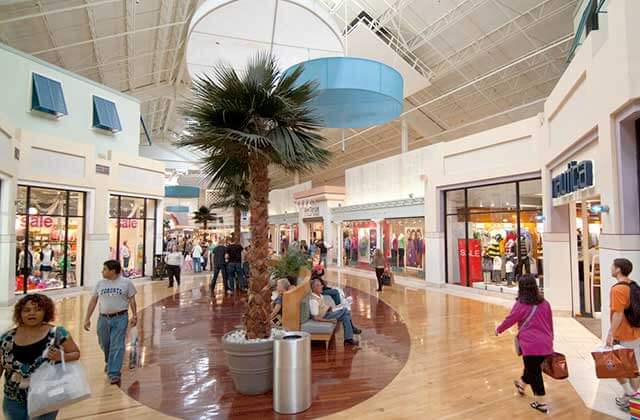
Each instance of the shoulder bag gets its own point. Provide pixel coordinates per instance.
(516, 343)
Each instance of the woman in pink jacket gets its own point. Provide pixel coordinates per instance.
(535, 337)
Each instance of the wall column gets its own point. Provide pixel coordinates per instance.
(97, 235)
(7, 239)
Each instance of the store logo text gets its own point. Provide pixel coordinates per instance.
(578, 176)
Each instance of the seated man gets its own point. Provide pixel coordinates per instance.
(327, 311)
(282, 285)
(334, 294)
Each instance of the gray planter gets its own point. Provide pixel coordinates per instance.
(251, 365)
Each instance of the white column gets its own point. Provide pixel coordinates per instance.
(97, 235)
(7, 239)
(340, 246)
(379, 234)
(404, 136)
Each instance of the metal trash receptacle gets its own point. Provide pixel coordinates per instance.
(292, 373)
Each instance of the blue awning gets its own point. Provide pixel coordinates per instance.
(181, 191)
(105, 115)
(47, 96)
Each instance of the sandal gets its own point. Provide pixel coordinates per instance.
(519, 387)
(540, 407)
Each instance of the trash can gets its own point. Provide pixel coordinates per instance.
(292, 373)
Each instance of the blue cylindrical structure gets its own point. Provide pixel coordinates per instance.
(353, 92)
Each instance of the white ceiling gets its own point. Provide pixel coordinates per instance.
(490, 62)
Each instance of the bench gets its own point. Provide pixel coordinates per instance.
(296, 316)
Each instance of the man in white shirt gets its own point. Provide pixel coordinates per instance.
(327, 311)
(196, 254)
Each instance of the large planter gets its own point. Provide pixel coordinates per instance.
(251, 365)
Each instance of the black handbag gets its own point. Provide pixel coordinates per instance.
(386, 279)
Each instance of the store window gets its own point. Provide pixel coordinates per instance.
(404, 245)
(132, 233)
(493, 234)
(359, 239)
(49, 237)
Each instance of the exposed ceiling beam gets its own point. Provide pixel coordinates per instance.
(58, 10)
(118, 61)
(498, 36)
(447, 20)
(52, 38)
(112, 36)
(166, 15)
(96, 48)
(130, 23)
(542, 50)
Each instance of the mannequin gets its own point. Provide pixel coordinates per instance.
(493, 252)
(394, 250)
(420, 248)
(354, 247)
(411, 249)
(509, 267)
(525, 254)
(347, 247)
(402, 244)
(46, 260)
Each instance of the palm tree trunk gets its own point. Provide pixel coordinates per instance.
(256, 319)
(237, 214)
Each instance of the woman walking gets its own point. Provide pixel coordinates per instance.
(378, 264)
(33, 341)
(534, 341)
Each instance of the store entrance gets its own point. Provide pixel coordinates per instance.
(316, 231)
(587, 252)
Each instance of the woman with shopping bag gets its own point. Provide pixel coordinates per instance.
(24, 349)
(534, 341)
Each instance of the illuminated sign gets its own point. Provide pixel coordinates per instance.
(578, 176)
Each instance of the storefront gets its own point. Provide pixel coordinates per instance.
(404, 245)
(287, 234)
(493, 233)
(359, 241)
(132, 233)
(50, 226)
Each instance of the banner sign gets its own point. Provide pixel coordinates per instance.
(578, 176)
(475, 261)
(311, 212)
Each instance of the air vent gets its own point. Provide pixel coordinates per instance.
(102, 169)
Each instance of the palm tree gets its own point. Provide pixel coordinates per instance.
(203, 215)
(251, 120)
(233, 194)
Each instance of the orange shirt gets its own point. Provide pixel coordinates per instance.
(620, 300)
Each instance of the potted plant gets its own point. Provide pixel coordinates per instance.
(243, 123)
(289, 265)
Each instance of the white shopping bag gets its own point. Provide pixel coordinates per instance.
(54, 386)
(133, 347)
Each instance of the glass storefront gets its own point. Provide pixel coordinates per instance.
(404, 245)
(49, 237)
(493, 234)
(359, 241)
(287, 234)
(132, 233)
(316, 230)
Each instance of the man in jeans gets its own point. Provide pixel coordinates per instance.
(114, 294)
(326, 311)
(219, 266)
(621, 331)
(235, 273)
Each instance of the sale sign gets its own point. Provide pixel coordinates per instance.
(474, 271)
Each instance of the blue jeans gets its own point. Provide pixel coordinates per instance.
(16, 410)
(196, 265)
(235, 276)
(345, 316)
(111, 336)
(333, 293)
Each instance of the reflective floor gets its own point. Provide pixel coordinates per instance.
(184, 373)
(455, 367)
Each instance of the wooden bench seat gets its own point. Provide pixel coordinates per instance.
(295, 312)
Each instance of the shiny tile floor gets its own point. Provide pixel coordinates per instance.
(449, 365)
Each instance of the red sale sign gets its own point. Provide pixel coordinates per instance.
(475, 261)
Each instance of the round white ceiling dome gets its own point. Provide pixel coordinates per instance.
(230, 31)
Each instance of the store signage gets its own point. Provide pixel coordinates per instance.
(37, 222)
(475, 261)
(311, 212)
(578, 176)
(102, 169)
(129, 223)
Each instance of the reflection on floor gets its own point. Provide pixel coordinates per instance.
(456, 367)
(184, 371)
